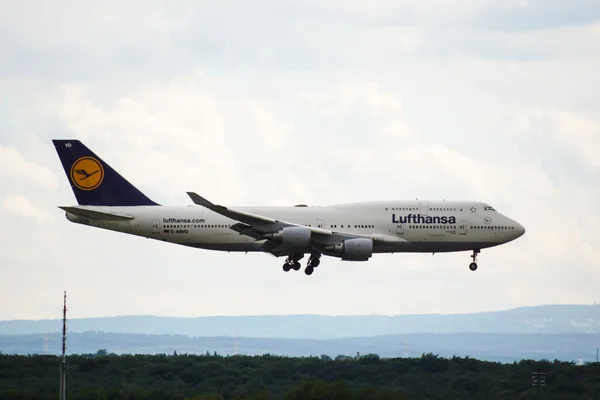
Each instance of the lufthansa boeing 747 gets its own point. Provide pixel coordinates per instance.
(350, 232)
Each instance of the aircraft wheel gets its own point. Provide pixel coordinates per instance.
(315, 262)
(473, 266)
(286, 267)
(296, 266)
(309, 270)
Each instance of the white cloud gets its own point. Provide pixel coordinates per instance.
(99, 27)
(578, 134)
(22, 206)
(144, 128)
(22, 172)
(278, 104)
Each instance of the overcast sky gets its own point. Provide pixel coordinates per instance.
(276, 102)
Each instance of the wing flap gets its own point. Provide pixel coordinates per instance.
(247, 230)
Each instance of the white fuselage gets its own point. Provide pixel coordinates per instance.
(419, 226)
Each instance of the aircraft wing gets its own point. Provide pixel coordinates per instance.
(255, 226)
(257, 222)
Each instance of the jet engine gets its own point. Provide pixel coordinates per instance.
(296, 237)
(353, 249)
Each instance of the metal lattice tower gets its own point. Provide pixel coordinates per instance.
(236, 344)
(63, 364)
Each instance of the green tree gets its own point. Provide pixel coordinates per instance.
(319, 390)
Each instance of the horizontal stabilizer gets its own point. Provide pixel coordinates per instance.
(94, 214)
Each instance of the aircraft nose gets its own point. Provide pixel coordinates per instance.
(520, 229)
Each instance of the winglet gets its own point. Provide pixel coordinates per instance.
(201, 201)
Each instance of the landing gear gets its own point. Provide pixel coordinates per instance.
(295, 265)
(473, 265)
(313, 262)
(292, 262)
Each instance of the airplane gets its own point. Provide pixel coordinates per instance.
(349, 232)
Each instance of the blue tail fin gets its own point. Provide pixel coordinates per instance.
(93, 181)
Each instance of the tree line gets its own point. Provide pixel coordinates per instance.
(104, 376)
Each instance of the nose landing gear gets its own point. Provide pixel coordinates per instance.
(473, 265)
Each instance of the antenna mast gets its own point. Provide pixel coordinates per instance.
(235, 344)
(63, 364)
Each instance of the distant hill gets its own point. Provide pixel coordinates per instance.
(485, 346)
(548, 319)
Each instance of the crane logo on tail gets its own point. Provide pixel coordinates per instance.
(87, 173)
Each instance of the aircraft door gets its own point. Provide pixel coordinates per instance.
(321, 223)
(424, 207)
(462, 227)
(400, 229)
(155, 226)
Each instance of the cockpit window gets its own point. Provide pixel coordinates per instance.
(488, 208)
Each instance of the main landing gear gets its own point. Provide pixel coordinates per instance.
(293, 262)
(313, 262)
(473, 265)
